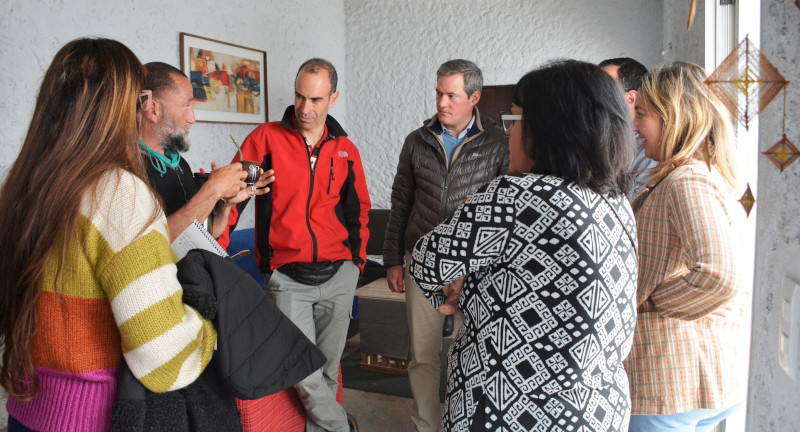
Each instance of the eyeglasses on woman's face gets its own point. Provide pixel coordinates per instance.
(509, 120)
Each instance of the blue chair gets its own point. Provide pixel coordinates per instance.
(245, 239)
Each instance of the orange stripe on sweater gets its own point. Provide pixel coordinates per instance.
(75, 334)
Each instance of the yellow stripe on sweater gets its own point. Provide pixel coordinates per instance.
(163, 378)
(86, 248)
(156, 320)
(143, 256)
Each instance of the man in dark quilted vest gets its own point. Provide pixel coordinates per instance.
(447, 158)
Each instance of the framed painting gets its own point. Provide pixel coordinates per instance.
(229, 82)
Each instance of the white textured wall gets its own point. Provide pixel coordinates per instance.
(774, 397)
(32, 31)
(394, 49)
(680, 44)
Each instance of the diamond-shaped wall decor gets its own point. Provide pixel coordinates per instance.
(748, 200)
(783, 153)
(746, 72)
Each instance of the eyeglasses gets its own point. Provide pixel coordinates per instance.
(508, 121)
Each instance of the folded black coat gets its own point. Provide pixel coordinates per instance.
(259, 352)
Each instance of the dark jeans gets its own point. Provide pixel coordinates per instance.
(15, 426)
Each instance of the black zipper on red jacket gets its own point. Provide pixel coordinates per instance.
(330, 178)
(315, 152)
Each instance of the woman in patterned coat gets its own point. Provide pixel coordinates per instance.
(549, 255)
(688, 363)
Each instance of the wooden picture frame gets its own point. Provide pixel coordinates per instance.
(229, 81)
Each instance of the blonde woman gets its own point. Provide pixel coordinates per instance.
(688, 364)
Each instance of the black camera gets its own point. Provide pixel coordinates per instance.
(200, 178)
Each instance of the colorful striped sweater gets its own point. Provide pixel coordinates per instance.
(119, 296)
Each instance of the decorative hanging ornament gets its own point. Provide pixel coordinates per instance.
(692, 10)
(783, 153)
(748, 200)
(746, 72)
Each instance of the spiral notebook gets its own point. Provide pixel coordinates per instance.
(195, 236)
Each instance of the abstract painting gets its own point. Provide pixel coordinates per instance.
(229, 81)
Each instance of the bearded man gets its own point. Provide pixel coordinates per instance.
(165, 117)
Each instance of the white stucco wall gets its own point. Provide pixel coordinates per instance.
(32, 31)
(680, 44)
(774, 396)
(394, 49)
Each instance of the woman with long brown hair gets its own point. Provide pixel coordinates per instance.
(87, 274)
(688, 364)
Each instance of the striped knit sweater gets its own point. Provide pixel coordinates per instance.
(119, 296)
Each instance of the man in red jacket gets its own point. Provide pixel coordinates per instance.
(311, 229)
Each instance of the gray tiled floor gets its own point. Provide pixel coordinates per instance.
(376, 412)
(379, 413)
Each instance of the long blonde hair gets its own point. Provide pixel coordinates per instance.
(83, 125)
(695, 123)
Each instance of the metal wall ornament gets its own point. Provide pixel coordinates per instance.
(746, 72)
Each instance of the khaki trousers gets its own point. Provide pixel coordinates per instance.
(425, 342)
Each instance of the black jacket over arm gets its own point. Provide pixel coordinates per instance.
(259, 352)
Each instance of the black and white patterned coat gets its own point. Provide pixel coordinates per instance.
(548, 305)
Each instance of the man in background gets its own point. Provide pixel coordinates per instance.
(449, 157)
(166, 114)
(629, 73)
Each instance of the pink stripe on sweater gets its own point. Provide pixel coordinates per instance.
(68, 402)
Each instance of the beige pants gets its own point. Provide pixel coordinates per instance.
(425, 342)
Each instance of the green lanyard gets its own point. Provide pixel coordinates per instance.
(161, 161)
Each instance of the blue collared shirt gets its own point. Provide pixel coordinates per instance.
(451, 141)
